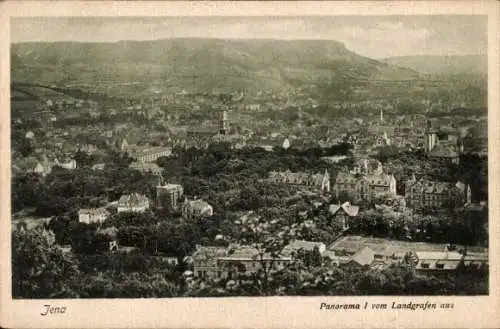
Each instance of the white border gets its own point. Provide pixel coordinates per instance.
(269, 312)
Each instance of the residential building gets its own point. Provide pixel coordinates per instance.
(247, 260)
(99, 166)
(205, 261)
(168, 196)
(70, 164)
(134, 202)
(343, 213)
(196, 208)
(364, 187)
(150, 154)
(445, 262)
(301, 245)
(232, 261)
(316, 181)
(145, 154)
(426, 193)
(92, 215)
(145, 167)
(367, 166)
(45, 167)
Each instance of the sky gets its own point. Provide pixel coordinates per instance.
(370, 36)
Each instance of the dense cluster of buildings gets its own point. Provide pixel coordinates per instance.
(230, 262)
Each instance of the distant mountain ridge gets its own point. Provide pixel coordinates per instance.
(201, 63)
(442, 65)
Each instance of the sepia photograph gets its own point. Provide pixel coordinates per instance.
(187, 157)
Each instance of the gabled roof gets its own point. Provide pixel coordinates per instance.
(443, 151)
(209, 252)
(382, 179)
(93, 211)
(364, 256)
(133, 199)
(349, 209)
(198, 204)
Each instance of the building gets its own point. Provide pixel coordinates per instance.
(205, 261)
(343, 213)
(422, 193)
(252, 107)
(150, 154)
(92, 215)
(444, 154)
(232, 261)
(446, 262)
(168, 196)
(364, 187)
(45, 167)
(367, 166)
(430, 138)
(145, 167)
(364, 257)
(223, 124)
(315, 181)
(443, 145)
(134, 202)
(301, 245)
(247, 260)
(145, 154)
(196, 209)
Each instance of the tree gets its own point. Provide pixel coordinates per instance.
(40, 269)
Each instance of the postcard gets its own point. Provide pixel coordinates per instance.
(249, 164)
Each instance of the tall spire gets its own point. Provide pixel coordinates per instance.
(223, 123)
(381, 115)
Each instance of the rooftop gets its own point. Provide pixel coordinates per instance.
(300, 244)
(346, 206)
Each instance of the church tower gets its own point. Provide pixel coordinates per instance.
(381, 115)
(223, 124)
(430, 138)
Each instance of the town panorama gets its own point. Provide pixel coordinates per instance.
(217, 167)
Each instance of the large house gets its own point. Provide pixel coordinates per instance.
(426, 193)
(367, 166)
(364, 187)
(294, 247)
(343, 213)
(147, 167)
(444, 262)
(232, 261)
(168, 196)
(92, 215)
(45, 167)
(315, 181)
(196, 208)
(134, 202)
(145, 154)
